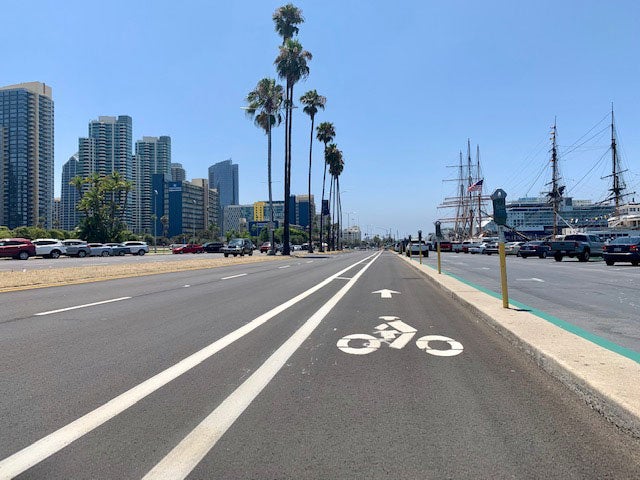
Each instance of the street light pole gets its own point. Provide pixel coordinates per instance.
(194, 220)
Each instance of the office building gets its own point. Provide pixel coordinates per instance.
(153, 156)
(223, 176)
(178, 174)
(185, 208)
(237, 217)
(26, 155)
(300, 210)
(56, 213)
(70, 196)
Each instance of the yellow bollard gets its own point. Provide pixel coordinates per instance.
(420, 251)
(439, 264)
(503, 274)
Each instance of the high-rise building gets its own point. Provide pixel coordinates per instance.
(26, 155)
(70, 195)
(108, 149)
(302, 210)
(178, 174)
(223, 176)
(153, 155)
(56, 212)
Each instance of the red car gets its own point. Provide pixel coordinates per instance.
(19, 248)
(264, 248)
(189, 248)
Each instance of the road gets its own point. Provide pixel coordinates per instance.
(598, 298)
(236, 372)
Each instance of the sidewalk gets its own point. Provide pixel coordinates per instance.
(605, 380)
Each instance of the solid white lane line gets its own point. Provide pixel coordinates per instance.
(234, 276)
(56, 441)
(83, 306)
(286, 266)
(179, 463)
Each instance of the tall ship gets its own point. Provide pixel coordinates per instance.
(469, 204)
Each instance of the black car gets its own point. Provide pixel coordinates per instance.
(535, 249)
(213, 247)
(622, 249)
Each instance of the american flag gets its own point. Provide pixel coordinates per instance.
(476, 187)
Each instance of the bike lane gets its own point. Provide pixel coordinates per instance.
(472, 407)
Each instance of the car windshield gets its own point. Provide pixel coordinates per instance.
(236, 243)
(626, 241)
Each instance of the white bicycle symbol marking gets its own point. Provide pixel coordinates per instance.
(397, 334)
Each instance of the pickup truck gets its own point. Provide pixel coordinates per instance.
(582, 246)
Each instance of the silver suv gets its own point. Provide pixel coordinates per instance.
(238, 246)
(136, 248)
(77, 248)
(49, 247)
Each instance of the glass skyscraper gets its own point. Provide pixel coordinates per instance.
(26, 155)
(223, 176)
(70, 195)
(153, 155)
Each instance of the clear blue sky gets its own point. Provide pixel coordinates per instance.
(406, 85)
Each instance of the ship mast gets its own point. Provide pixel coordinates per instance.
(479, 174)
(556, 190)
(469, 192)
(617, 187)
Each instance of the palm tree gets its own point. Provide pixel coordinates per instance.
(286, 20)
(325, 134)
(291, 64)
(312, 102)
(264, 104)
(333, 158)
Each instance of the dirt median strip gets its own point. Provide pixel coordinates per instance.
(51, 277)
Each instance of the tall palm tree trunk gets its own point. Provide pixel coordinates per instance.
(310, 219)
(272, 248)
(339, 213)
(324, 178)
(330, 232)
(287, 133)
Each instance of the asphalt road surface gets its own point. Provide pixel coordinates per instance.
(292, 369)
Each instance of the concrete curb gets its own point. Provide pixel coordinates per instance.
(608, 382)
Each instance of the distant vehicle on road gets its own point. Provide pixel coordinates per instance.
(490, 248)
(580, 245)
(622, 249)
(512, 248)
(137, 247)
(189, 248)
(535, 249)
(18, 248)
(456, 247)
(238, 246)
(265, 247)
(49, 247)
(76, 247)
(213, 247)
(99, 250)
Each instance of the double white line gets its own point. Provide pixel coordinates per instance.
(221, 418)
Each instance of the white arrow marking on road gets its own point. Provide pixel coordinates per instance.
(388, 318)
(385, 293)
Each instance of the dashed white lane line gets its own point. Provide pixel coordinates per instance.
(180, 461)
(532, 279)
(82, 306)
(233, 276)
(33, 454)
(310, 261)
(286, 266)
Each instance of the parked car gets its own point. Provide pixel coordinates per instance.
(238, 246)
(118, 249)
(49, 247)
(213, 247)
(512, 248)
(19, 248)
(188, 248)
(490, 248)
(456, 247)
(580, 245)
(474, 248)
(76, 247)
(622, 249)
(264, 248)
(99, 250)
(136, 247)
(413, 249)
(535, 249)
